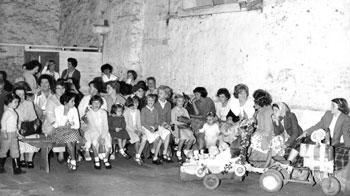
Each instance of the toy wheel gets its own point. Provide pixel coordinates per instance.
(286, 176)
(330, 186)
(271, 181)
(200, 172)
(211, 181)
(240, 170)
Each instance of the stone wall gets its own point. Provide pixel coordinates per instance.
(297, 50)
(26, 22)
(122, 46)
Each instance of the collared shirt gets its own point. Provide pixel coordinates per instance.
(111, 78)
(40, 100)
(332, 126)
(26, 111)
(150, 108)
(72, 117)
(55, 74)
(247, 108)
(84, 105)
(162, 103)
(9, 120)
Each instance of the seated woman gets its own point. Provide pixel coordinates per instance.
(26, 113)
(45, 92)
(260, 141)
(286, 125)
(223, 106)
(337, 121)
(107, 75)
(242, 106)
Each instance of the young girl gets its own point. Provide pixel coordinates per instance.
(97, 133)
(211, 132)
(183, 134)
(67, 126)
(133, 126)
(150, 124)
(117, 128)
(164, 117)
(9, 134)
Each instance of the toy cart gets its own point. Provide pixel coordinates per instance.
(318, 165)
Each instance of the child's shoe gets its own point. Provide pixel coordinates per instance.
(112, 157)
(97, 163)
(107, 164)
(138, 159)
(23, 164)
(179, 156)
(72, 166)
(16, 168)
(30, 165)
(157, 162)
(2, 163)
(124, 155)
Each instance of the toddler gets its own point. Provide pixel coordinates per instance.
(9, 134)
(117, 128)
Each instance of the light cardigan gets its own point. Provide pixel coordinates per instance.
(51, 105)
(26, 112)
(9, 121)
(247, 108)
(98, 121)
(72, 117)
(130, 125)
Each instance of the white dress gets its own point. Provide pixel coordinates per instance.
(211, 134)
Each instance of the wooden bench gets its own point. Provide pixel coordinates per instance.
(46, 146)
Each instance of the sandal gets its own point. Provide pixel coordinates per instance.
(167, 159)
(97, 165)
(124, 155)
(107, 164)
(72, 168)
(138, 161)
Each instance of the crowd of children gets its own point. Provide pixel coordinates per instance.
(118, 114)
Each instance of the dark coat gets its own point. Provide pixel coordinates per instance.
(291, 126)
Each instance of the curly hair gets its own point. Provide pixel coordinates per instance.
(223, 91)
(262, 98)
(239, 88)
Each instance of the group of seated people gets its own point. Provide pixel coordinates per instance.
(116, 114)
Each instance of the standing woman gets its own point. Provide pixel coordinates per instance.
(52, 103)
(131, 77)
(49, 69)
(242, 105)
(260, 141)
(30, 69)
(222, 107)
(113, 95)
(26, 113)
(67, 126)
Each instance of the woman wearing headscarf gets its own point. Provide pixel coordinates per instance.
(286, 126)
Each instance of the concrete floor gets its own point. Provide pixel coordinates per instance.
(127, 178)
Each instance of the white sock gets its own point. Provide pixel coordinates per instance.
(178, 153)
(138, 156)
(185, 152)
(73, 162)
(97, 159)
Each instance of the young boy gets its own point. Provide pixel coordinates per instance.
(9, 134)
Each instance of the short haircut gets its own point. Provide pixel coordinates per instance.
(223, 91)
(52, 61)
(4, 74)
(2, 82)
(73, 61)
(239, 88)
(61, 82)
(134, 74)
(23, 84)
(106, 66)
(75, 82)
(211, 114)
(115, 107)
(114, 84)
(32, 64)
(96, 98)
(138, 86)
(97, 85)
(165, 89)
(262, 98)
(49, 78)
(10, 97)
(66, 97)
(342, 105)
(202, 91)
(152, 96)
(130, 101)
(151, 78)
(20, 88)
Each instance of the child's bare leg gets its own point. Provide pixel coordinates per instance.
(142, 145)
(180, 145)
(22, 157)
(30, 157)
(157, 145)
(166, 145)
(124, 143)
(71, 151)
(137, 147)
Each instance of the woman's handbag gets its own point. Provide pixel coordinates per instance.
(185, 120)
(30, 127)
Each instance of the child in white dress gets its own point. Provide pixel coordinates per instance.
(97, 134)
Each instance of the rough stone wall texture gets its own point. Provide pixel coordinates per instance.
(122, 46)
(26, 22)
(297, 50)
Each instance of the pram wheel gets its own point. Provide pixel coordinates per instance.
(211, 181)
(330, 186)
(240, 170)
(286, 176)
(200, 172)
(271, 181)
